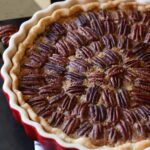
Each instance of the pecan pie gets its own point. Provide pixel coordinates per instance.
(84, 74)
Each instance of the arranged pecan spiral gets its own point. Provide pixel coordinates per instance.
(89, 76)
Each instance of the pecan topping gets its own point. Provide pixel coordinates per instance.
(57, 68)
(32, 79)
(73, 76)
(56, 119)
(58, 59)
(35, 60)
(76, 89)
(113, 114)
(109, 26)
(133, 63)
(116, 70)
(82, 20)
(100, 62)
(57, 29)
(81, 110)
(109, 41)
(108, 97)
(57, 98)
(69, 103)
(84, 129)
(93, 94)
(123, 28)
(64, 48)
(88, 33)
(124, 130)
(45, 111)
(96, 78)
(96, 132)
(123, 98)
(115, 81)
(137, 32)
(98, 113)
(124, 43)
(139, 129)
(45, 48)
(28, 90)
(38, 101)
(79, 64)
(84, 52)
(76, 39)
(134, 15)
(50, 89)
(71, 125)
(96, 46)
(147, 38)
(104, 15)
(111, 56)
(98, 27)
(113, 135)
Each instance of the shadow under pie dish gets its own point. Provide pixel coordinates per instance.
(83, 72)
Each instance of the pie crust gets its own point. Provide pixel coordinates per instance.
(33, 34)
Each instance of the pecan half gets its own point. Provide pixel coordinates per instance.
(133, 63)
(112, 57)
(124, 43)
(69, 103)
(98, 26)
(32, 79)
(69, 26)
(100, 62)
(96, 132)
(58, 59)
(109, 26)
(116, 81)
(109, 98)
(57, 98)
(137, 32)
(123, 28)
(104, 15)
(79, 64)
(84, 52)
(129, 117)
(45, 48)
(65, 48)
(54, 67)
(96, 78)
(50, 89)
(71, 125)
(98, 113)
(147, 38)
(124, 130)
(109, 41)
(123, 98)
(82, 20)
(140, 130)
(88, 33)
(84, 129)
(115, 71)
(113, 135)
(53, 77)
(56, 119)
(76, 89)
(76, 39)
(57, 29)
(38, 101)
(93, 94)
(81, 110)
(28, 90)
(74, 76)
(96, 46)
(113, 114)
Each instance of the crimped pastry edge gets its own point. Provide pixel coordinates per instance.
(32, 34)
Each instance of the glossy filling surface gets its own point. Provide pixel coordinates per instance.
(89, 75)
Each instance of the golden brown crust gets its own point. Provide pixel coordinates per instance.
(39, 28)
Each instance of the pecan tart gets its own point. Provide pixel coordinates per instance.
(83, 73)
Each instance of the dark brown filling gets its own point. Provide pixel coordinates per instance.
(90, 76)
